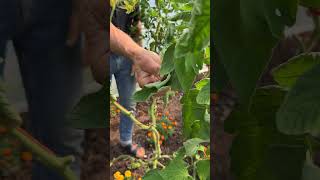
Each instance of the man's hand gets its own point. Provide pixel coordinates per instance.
(147, 61)
(144, 78)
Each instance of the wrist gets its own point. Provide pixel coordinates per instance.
(134, 53)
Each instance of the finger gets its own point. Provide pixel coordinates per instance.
(146, 80)
(154, 68)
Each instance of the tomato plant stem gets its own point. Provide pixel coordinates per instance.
(59, 164)
(152, 127)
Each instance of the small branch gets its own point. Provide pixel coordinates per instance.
(161, 165)
(59, 164)
(165, 157)
(121, 157)
(129, 114)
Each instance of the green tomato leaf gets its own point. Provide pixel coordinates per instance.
(259, 151)
(199, 36)
(168, 59)
(153, 175)
(288, 73)
(193, 112)
(144, 94)
(203, 169)
(192, 145)
(199, 85)
(300, 111)
(91, 111)
(204, 95)
(177, 169)
(236, 41)
(174, 82)
(185, 75)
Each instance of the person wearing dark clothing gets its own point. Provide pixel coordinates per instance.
(51, 72)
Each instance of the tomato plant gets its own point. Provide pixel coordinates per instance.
(180, 32)
(276, 126)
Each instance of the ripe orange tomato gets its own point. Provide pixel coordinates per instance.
(162, 137)
(174, 123)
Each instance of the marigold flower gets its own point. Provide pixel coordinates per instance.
(121, 177)
(116, 175)
(170, 127)
(127, 173)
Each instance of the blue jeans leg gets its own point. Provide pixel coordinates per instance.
(126, 87)
(52, 78)
(52, 82)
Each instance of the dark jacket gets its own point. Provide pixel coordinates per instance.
(125, 21)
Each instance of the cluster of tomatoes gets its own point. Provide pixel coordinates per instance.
(11, 154)
(166, 125)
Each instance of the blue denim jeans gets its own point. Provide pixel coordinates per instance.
(51, 73)
(121, 68)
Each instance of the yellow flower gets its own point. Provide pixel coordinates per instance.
(121, 177)
(139, 178)
(127, 173)
(116, 175)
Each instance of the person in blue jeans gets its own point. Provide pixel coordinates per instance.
(122, 69)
